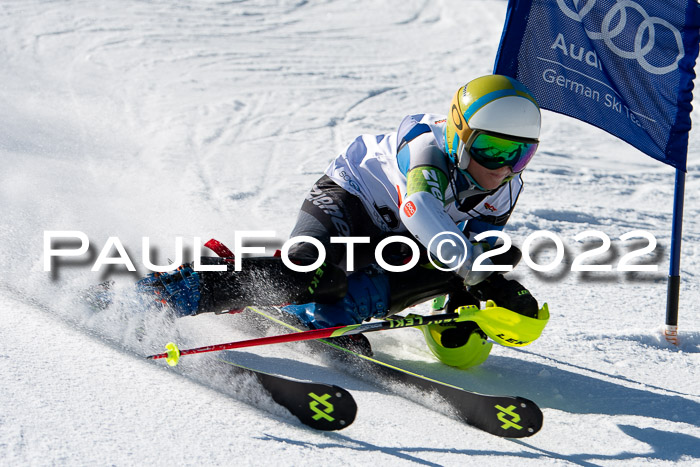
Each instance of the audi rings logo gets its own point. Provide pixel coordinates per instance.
(615, 21)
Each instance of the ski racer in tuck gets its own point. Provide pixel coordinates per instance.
(436, 176)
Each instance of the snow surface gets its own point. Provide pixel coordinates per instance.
(201, 118)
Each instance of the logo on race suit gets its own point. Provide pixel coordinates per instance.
(409, 208)
(489, 207)
(616, 20)
(431, 178)
(387, 216)
(329, 207)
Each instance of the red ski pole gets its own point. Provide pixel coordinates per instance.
(173, 353)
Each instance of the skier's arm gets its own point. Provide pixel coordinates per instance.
(423, 213)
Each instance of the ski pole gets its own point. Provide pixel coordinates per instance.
(173, 353)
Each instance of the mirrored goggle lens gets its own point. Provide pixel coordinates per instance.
(494, 152)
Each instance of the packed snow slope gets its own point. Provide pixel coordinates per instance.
(201, 118)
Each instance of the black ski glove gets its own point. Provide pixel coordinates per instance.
(506, 293)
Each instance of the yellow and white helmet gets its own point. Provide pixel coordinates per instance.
(494, 120)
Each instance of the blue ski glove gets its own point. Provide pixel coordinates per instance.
(179, 289)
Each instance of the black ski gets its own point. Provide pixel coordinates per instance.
(321, 406)
(505, 416)
(318, 405)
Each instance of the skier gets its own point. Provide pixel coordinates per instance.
(436, 178)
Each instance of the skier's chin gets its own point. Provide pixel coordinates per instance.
(487, 178)
(492, 179)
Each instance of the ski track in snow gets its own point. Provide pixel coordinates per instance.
(201, 118)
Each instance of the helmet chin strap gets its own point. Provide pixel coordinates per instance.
(473, 182)
(470, 180)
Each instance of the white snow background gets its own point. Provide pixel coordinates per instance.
(201, 118)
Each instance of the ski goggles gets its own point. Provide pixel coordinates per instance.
(493, 151)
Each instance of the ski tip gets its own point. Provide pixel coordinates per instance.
(332, 409)
(173, 354)
(521, 419)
